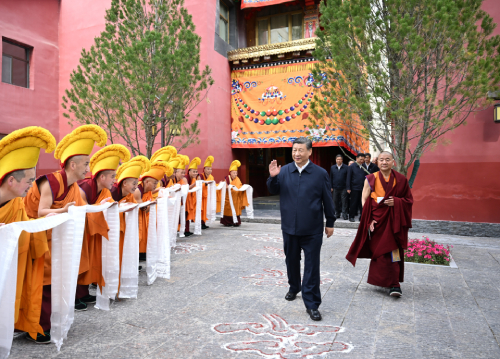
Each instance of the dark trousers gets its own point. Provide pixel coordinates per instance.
(311, 245)
(355, 204)
(228, 221)
(341, 201)
(81, 291)
(46, 308)
(187, 224)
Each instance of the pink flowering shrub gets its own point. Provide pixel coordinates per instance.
(427, 251)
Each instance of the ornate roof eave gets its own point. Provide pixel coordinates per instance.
(272, 49)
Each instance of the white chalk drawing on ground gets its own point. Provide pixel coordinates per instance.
(267, 252)
(276, 238)
(282, 340)
(278, 278)
(186, 248)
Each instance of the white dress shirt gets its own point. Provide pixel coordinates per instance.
(301, 168)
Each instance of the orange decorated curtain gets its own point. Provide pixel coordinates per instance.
(245, 4)
(270, 107)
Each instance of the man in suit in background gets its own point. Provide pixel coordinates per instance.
(338, 179)
(305, 197)
(356, 174)
(371, 167)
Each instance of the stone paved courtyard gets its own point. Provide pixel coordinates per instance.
(225, 299)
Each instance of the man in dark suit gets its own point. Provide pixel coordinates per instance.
(355, 180)
(305, 198)
(371, 167)
(338, 179)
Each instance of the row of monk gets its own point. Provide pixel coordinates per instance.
(56, 223)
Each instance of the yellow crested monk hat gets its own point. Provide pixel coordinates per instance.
(108, 158)
(194, 163)
(133, 168)
(20, 149)
(164, 154)
(158, 170)
(234, 165)
(209, 161)
(80, 142)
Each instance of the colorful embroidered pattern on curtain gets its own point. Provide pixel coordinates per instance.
(270, 108)
(259, 3)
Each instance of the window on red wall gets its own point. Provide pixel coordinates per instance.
(15, 63)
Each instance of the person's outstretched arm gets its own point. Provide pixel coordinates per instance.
(273, 184)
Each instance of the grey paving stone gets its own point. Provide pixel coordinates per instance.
(444, 313)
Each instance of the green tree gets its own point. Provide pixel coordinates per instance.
(141, 79)
(403, 73)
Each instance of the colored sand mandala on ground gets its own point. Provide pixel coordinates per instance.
(283, 340)
(267, 252)
(185, 248)
(264, 237)
(278, 278)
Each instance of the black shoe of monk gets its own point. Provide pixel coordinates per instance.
(89, 299)
(314, 314)
(41, 339)
(142, 257)
(290, 296)
(187, 234)
(80, 306)
(204, 226)
(395, 292)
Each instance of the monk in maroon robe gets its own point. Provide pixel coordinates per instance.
(383, 232)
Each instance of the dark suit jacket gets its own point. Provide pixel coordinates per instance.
(355, 178)
(338, 178)
(304, 197)
(372, 168)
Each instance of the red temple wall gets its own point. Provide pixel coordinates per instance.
(35, 24)
(80, 22)
(455, 182)
(459, 181)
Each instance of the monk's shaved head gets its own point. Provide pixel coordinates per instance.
(385, 161)
(387, 153)
(78, 166)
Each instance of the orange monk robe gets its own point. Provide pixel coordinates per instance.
(379, 190)
(64, 195)
(239, 199)
(204, 198)
(144, 220)
(191, 204)
(96, 228)
(218, 192)
(30, 261)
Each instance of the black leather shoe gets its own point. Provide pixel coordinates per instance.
(395, 292)
(351, 219)
(187, 234)
(88, 299)
(290, 296)
(41, 339)
(344, 217)
(314, 314)
(204, 226)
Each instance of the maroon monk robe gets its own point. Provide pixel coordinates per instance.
(391, 231)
